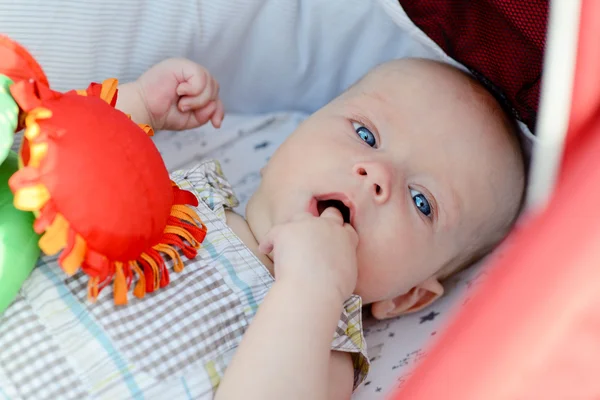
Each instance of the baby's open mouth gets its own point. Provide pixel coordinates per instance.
(322, 205)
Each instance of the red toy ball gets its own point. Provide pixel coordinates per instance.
(99, 188)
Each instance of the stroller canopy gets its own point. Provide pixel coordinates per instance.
(501, 42)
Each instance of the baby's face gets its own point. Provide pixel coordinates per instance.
(415, 160)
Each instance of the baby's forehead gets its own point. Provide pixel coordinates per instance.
(431, 82)
(416, 69)
(416, 87)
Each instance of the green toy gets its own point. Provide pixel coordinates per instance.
(19, 248)
(9, 116)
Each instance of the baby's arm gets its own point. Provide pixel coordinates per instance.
(174, 94)
(285, 354)
(130, 101)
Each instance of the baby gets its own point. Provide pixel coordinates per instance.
(407, 177)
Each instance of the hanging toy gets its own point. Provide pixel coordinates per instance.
(19, 250)
(99, 188)
(9, 117)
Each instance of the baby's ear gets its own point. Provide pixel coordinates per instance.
(414, 300)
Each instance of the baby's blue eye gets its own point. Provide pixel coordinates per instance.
(421, 202)
(365, 134)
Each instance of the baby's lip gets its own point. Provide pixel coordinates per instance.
(313, 208)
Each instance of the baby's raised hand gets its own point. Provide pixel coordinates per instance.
(180, 94)
(319, 252)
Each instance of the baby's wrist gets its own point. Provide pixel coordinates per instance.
(326, 295)
(130, 100)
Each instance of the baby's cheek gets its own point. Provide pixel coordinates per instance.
(375, 279)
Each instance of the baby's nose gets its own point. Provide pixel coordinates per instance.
(378, 177)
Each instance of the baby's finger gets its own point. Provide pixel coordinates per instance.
(203, 115)
(301, 216)
(215, 89)
(217, 117)
(267, 243)
(194, 85)
(352, 233)
(265, 247)
(187, 103)
(333, 214)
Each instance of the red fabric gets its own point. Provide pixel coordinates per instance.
(174, 240)
(18, 64)
(501, 41)
(198, 233)
(183, 197)
(95, 90)
(106, 177)
(95, 264)
(586, 98)
(30, 95)
(128, 275)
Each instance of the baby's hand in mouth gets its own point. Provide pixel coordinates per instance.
(333, 214)
(319, 252)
